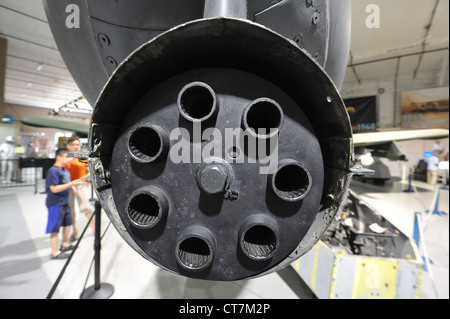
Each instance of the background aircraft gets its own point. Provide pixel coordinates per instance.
(79, 129)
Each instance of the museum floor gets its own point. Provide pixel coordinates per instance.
(26, 270)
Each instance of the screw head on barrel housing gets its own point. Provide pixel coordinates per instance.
(213, 178)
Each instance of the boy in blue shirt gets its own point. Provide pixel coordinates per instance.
(58, 187)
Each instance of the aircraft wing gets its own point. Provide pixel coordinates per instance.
(80, 129)
(382, 144)
(374, 138)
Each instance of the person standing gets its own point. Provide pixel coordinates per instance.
(79, 170)
(7, 157)
(58, 187)
(439, 149)
(432, 169)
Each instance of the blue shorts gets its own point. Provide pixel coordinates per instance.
(58, 216)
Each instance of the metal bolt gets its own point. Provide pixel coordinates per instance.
(316, 18)
(103, 39)
(110, 61)
(213, 179)
(316, 55)
(299, 40)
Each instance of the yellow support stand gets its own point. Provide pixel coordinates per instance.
(332, 273)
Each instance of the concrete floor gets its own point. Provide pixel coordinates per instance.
(26, 270)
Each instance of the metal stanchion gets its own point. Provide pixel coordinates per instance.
(410, 188)
(61, 274)
(98, 290)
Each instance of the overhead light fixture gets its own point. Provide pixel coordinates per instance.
(39, 67)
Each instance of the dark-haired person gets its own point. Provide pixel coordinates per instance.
(58, 188)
